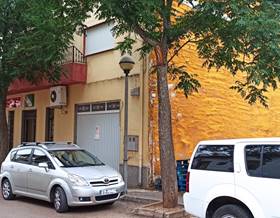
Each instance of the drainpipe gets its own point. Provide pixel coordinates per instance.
(144, 69)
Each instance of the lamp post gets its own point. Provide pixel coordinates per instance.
(127, 64)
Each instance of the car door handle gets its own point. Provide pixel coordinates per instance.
(30, 170)
(12, 167)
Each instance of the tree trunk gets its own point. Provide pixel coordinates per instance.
(167, 158)
(4, 144)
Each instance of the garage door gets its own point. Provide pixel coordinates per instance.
(99, 133)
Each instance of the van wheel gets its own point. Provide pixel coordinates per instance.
(231, 211)
(60, 200)
(7, 191)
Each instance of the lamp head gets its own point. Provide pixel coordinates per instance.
(126, 63)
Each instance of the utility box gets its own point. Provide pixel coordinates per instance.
(133, 143)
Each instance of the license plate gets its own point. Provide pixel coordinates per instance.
(108, 191)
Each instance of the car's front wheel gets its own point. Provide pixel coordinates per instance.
(7, 191)
(60, 200)
(231, 211)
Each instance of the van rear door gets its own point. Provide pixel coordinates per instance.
(211, 174)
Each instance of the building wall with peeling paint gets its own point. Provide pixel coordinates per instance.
(216, 112)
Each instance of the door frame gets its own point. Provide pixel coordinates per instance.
(22, 123)
(95, 112)
(90, 111)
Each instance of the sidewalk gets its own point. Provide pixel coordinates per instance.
(147, 196)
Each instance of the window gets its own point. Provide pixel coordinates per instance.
(253, 159)
(49, 124)
(11, 119)
(12, 156)
(263, 160)
(40, 157)
(75, 158)
(271, 161)
(99, 38)
(214, 158)
(22, 156)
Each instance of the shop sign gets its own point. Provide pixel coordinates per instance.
(13, 102)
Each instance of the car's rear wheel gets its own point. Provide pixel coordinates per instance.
(7, 191)
(231, 211)
(60, 200)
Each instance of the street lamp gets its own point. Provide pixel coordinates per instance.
(127, 64)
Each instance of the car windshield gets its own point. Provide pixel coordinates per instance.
(75, 158)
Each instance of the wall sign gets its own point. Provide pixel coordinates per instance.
(97, 132)
(13, 102)
(29, 100)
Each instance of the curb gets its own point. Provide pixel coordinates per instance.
(143, 200)
(140, 200)
(151, 210)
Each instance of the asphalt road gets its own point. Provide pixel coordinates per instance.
(29, 208)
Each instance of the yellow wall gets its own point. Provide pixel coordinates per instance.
(216, 112)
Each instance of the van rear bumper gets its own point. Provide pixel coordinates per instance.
(193, 206)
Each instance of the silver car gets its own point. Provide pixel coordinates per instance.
(63, 174)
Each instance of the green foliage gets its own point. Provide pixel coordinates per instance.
(187, 82)
(126, 46)
(34, 36)
(244, 37)
(241, 35)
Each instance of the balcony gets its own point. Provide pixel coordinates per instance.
(76, 73)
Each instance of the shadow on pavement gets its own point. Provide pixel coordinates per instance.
(83, 209)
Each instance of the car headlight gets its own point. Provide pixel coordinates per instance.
(77, 180)
(120, 178)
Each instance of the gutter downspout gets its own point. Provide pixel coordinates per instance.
(144, 68)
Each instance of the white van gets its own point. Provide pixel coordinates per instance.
(237, 178)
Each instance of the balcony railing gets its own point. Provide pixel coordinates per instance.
(73, 64)
(74, 55)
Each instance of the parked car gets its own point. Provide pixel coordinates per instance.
(237, 178)
(63, 174)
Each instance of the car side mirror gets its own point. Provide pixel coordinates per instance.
(44, 165)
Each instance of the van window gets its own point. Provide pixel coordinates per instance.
(271, 161)
(214, 158)
(253, 159)
(263, 160)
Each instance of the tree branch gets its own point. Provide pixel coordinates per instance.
(138, 30)
(180, 48)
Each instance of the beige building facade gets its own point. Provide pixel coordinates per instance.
(93, 115)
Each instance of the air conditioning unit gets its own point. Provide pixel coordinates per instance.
(58, 96)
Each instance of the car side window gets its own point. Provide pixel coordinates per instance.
(253, 159)
(214, 158)
(13, 155)
(40, 157)
(22, 156)
(271, 161)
